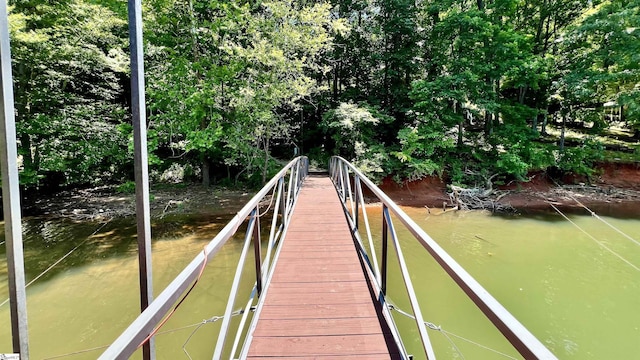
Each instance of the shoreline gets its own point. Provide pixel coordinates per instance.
(614, 192)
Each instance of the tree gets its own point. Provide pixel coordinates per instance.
(602, 63)
(237, 70)
(69, 72)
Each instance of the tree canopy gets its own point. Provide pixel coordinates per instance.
(469, 89)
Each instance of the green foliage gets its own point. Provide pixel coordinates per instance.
(580, 159)
(128, 187)
(70, 64)
(355, 130)
(238, 69)
(603, 62)
(422, 150)
(352, 127)
(410, 88)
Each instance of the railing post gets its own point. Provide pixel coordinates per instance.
(138, 107)
(349, 193)
(356, 185)
(279, 188)
(294, 178)
(341, 175)
(233, 293)
(385, 249)
(11, 197)
(413, 299)
(258, 251)
(332, 169)
(290, 193)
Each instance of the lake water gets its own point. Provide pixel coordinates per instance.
(575, 296)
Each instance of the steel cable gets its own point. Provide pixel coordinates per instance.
(594, 239)
(61, 259)
(599, 218)
(199, 324)
(446, 334)
(606, 222)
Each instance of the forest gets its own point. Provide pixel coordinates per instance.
(474, 91)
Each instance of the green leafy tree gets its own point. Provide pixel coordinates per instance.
(602, 63)
(69, 72)
(222, 89)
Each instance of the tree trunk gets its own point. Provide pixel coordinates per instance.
(335, 83)
(206, 168)
(564, 121)
(523, 91)
(266, 159)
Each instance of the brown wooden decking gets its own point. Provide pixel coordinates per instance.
(319, 304)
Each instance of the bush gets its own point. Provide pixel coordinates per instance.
(580, 159)
(128, 187)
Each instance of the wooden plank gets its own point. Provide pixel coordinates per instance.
(315, 255)
(315, 312)
(320, 345)
(335, 357)
(317, 327)
(322, 277)
(319, 270)
(303, 298)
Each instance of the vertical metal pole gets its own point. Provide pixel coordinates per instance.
(258, 251)
(356, 186)
(341, 183)
(295, 169)
(350, 195)
(345, 182)
(141, 163)
(283, 202)
(385, 249)
(274, 226)
(289, 198)
(11, 197)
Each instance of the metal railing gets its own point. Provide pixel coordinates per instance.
(285, 187)
(348, 181)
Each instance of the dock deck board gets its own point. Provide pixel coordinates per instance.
(319, 304)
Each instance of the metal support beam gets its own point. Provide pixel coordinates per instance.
(258, 250)
(385, 250)
(11, 197)
(138, 109)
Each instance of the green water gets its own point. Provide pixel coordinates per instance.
(90, 298)
(577, 298)
(572, 294)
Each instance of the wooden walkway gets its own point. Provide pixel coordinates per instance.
(319, 304)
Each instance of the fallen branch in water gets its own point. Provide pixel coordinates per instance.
(478, 199)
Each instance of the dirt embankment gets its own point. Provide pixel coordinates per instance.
(614, 184)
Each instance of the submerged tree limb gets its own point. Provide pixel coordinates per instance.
(478, 199)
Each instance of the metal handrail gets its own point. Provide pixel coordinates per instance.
(295, 171)
(343, 174)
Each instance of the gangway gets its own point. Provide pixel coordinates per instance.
(318, 274)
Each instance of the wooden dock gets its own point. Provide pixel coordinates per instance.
(319, 304)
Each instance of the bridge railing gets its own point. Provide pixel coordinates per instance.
(349, 182)
(284, 188)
